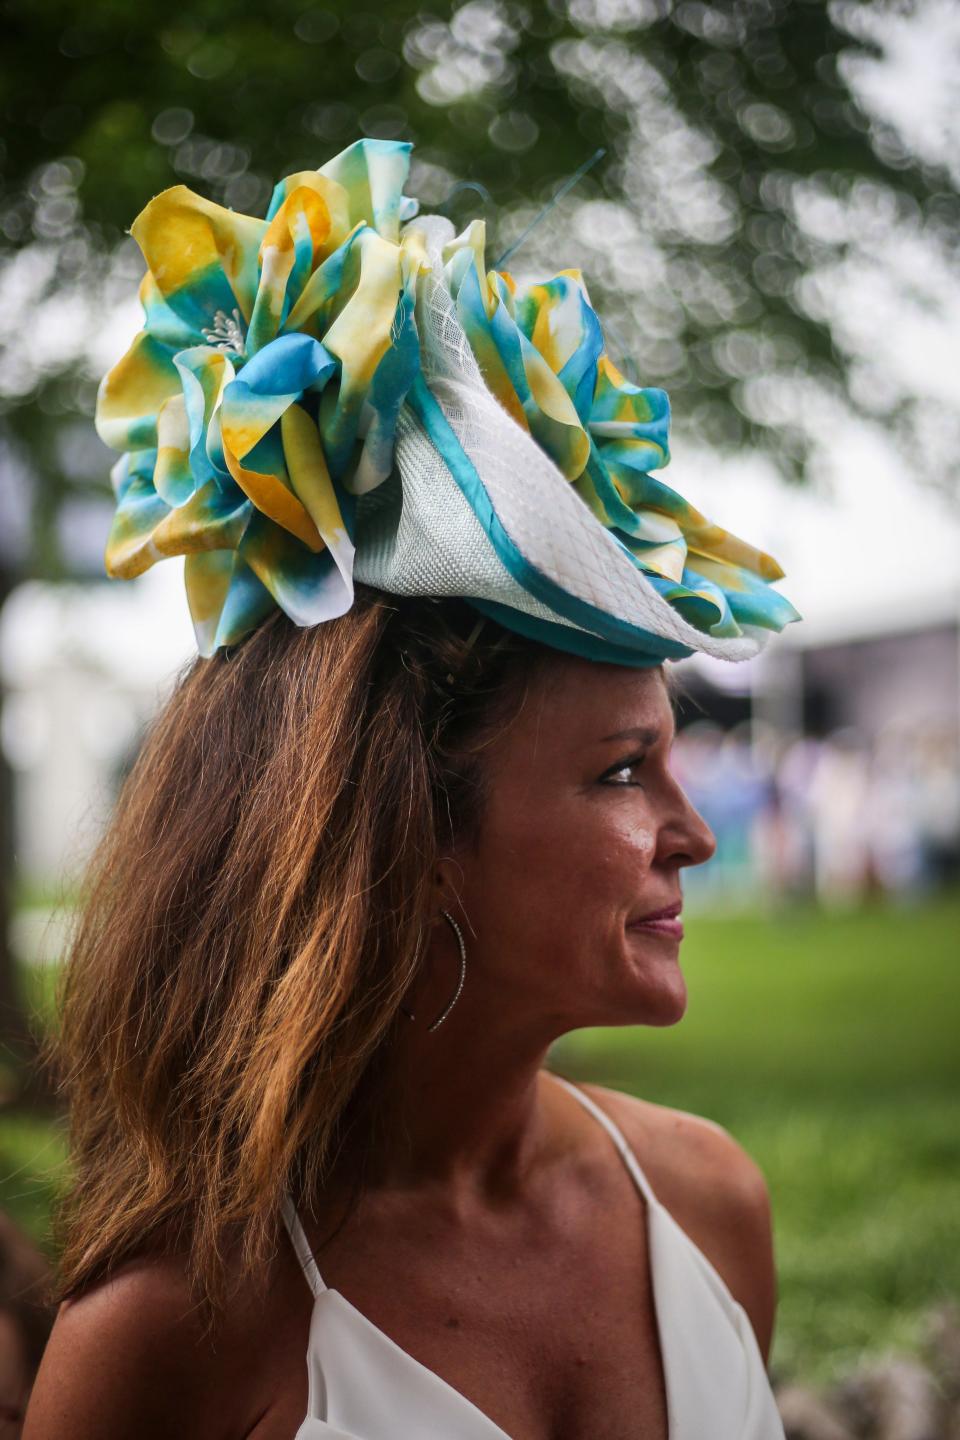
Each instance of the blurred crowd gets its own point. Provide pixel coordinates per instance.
(834, 818)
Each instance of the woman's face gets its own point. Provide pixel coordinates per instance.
(583, 833)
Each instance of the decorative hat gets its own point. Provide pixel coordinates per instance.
(344, 392)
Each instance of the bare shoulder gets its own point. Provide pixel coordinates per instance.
(713, 1189)
(137, 1356)
(128, 1357)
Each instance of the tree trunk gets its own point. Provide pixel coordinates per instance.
(30, 1081)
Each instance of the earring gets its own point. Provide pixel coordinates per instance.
(463, 975)
(463, 972)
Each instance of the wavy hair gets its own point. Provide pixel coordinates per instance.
(252, 919)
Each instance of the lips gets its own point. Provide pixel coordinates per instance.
(661, 922)
(669, 912)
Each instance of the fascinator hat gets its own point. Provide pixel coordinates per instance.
(343, 392)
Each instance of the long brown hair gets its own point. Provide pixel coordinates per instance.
(252, 920)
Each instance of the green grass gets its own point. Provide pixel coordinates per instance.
(829, 1046)
(33, 1150)
(33, 1155)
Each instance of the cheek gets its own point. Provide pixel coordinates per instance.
(569, 875)
(603, 869)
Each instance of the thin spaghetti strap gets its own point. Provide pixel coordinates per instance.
(301, 1245)
(616, 1135)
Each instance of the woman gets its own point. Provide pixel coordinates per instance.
(380, 851)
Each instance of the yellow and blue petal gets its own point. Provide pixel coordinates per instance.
(514, 369)
(752, 600)
(308, 585)
(163, 324)
(335, 199)
(130, 547)
(560, 323)
(313, 485)
(205, 374)
(290, 251)
(263, 478)
(203, 258)
(699, 602)
(132, 394)
(361, 336)
(226, 599)
(373, 174)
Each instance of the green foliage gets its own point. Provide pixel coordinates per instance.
(39, 988)
(827, 1046)
(33, 1155)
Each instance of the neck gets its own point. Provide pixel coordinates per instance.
(463, 1107)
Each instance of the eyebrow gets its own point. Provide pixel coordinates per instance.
(646, 734)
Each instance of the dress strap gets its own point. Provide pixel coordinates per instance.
(616, 1135)
(301, 1245)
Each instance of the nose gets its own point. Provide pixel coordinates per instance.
(685, 837)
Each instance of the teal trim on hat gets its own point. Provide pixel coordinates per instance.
(586, 617)
(574, 642)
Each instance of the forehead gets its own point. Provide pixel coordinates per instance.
(572, 704)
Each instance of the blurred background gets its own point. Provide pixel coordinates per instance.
(771, 235)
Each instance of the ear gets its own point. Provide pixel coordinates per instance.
(447, 881)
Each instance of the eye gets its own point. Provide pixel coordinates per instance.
(622, 772)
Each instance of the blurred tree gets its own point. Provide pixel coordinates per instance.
(723, 123)
(740, 168)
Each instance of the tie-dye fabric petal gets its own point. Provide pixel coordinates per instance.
(373, 174)
(265, 384)
(203, 258)
(226, 599)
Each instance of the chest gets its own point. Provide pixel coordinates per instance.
(547, 1349)
(545, 1323)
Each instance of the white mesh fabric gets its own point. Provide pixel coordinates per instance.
(427, 540)
(420, 533)
(421, 536)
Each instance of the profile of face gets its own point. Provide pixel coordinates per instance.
(584, 831)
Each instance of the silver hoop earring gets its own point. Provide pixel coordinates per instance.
(463, 972)
(463, 975)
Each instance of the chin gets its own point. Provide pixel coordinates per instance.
(639, 983)
(655, 991)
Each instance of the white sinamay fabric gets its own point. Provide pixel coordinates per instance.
(422, 537)
(363, 1386)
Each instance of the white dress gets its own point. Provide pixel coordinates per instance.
(363, 1386)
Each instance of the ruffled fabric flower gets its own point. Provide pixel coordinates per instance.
(261, 398)
(541, 351)
(261, 395)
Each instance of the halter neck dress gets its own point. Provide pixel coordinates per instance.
(363, 1386)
